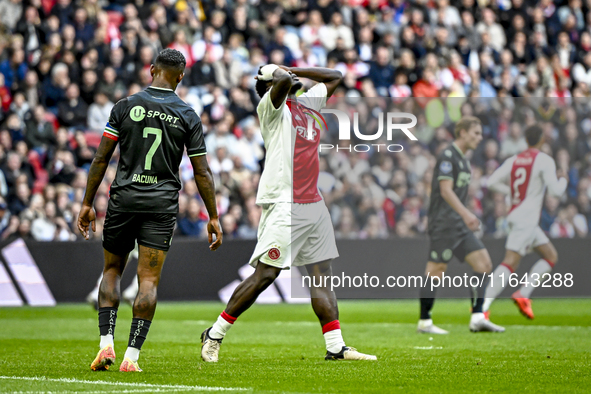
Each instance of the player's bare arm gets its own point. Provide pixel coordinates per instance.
(282, 83)
(96, 174)
(205, 184)
(448, 194)
(331, 78)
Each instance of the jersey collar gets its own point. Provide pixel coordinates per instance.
(458, 149)
(157, 88)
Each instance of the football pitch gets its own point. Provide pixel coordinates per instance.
(279, 348)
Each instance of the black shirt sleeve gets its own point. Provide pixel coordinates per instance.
(444, 168)
(113, 127)
(194, 141)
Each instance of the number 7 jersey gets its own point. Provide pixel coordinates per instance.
(152, 127)
(525, 177)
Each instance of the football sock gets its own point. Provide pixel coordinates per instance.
(477, 293)
(540, 268)
(107, 318)
(132, 353)
(496, 285)
(137, 336)
(427, 299)
(221, 326)
(333, 337)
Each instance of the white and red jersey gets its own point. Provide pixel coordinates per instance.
(525, 177)
(291, 165)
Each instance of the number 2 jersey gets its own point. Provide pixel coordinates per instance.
(153, 128)
(525, 177)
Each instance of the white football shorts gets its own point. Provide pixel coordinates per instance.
(292, 234)
(523, 239)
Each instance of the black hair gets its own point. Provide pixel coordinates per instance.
(171, 58)
(533, 134)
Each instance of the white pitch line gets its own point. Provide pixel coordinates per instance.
(148, 390)
(123, 384)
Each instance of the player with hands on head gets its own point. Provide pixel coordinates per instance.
(295, 227)
(152, 128)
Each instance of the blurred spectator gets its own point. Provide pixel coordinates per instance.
(514, 142)
(14, 68)
(562, 227)
(72, 111)
(99, 111)
(40, 133)
(192, 224)
(54, 89)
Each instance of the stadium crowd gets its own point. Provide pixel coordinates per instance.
(64, 63)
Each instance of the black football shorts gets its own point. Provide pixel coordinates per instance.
(122, 229)
(442, 249)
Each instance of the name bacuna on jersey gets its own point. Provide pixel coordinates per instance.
(525, 178)
(144, 178)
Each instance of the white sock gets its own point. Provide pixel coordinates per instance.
(541, 267)
(220, 328)
(132, 353)
(106, 340)
(334, 341)
(496, 285)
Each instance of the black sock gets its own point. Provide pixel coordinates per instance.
(427, 299)
(138, 333)
(477, 294)
(107, 318)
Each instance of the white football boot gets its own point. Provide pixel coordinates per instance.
(426, 326)
(349, 353)
(210, 347)
(479, 323)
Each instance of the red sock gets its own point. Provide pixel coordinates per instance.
(333, 325)
(550, 263)
(228, 318)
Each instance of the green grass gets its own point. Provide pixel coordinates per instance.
(279, 348)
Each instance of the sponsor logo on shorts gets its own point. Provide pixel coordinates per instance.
(274, 253)
(434, 255)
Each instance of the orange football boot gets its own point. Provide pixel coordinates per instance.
(104, 358)
(524, 305)
(129, 366)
